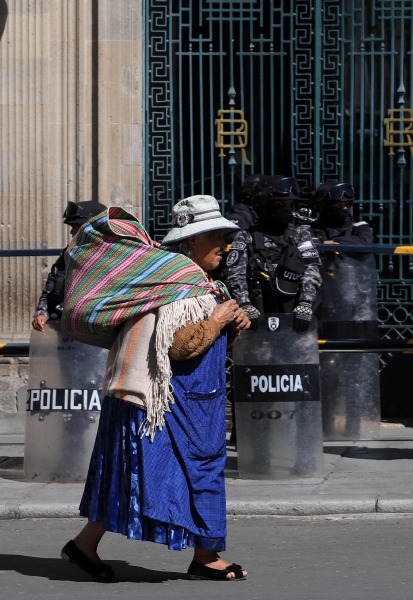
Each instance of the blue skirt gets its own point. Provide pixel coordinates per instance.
(172, 490)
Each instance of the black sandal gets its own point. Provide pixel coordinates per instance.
(198, 571)
(102, 572)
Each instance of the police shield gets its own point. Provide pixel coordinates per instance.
(63, 407)
(350, 385)
(277, 401)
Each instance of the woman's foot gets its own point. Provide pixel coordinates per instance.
(88, 551)
(82, 551)
(212, 560)
(100, 571)
(88, 540)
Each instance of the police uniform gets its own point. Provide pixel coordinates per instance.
(244, 217)
(258, 253)
(352, 275)
(351, 233)
(51, 300)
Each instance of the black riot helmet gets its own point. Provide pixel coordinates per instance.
(248, 187)
(331, 193)
(272, 199)
(275, 189)
(78, 213)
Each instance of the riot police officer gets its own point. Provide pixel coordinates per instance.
(273, 266)
(352, 271)
(349, 382)
(50, 305)
(335, 225)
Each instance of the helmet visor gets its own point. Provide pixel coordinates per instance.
(287, 185)
(343, 190)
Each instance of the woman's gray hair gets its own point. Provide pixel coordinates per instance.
(183, 247)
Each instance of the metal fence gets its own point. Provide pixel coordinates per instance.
(322, 90)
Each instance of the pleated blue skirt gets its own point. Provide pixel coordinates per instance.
(172, 490)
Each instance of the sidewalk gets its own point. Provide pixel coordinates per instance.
(359, 477)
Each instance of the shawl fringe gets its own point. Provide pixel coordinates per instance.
(171, 318)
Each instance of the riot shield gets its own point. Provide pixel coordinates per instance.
(277, 401)
(349, 289)
(350, 386)
(64, 403)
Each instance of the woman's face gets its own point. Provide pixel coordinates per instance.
(208, 248)
(74, 229)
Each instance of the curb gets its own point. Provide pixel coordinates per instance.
(303, 508)
(39, 511)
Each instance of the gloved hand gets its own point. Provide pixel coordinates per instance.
(252, 313)
(302, 316)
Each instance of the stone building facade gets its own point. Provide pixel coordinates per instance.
(70, 129)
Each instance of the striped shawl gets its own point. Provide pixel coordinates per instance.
(114, 272)
(116, 275)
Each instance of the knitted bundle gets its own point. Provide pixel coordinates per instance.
(114, 272)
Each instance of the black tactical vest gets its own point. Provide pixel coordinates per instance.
(275, 271)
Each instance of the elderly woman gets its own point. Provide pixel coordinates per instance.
(169, 489)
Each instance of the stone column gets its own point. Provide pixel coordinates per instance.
(119, 33)
(65, 86)
(70, 129)
(24, 112)
(24, 95)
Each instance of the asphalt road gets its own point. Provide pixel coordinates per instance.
(302, 558)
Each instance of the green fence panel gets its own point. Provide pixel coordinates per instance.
(319, 89)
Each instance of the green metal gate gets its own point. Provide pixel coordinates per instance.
(322, 89)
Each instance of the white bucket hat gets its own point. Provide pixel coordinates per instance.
(195, 215)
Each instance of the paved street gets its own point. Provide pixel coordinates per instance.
(293, 558)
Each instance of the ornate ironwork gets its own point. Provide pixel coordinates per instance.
(302, 66)
(202, 56)
(330, 155)
(315, 81)
(158, 155)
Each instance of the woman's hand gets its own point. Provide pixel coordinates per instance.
(225, 313)
(241, 320)
(229, 313)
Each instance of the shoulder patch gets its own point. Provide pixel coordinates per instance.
(232, 258)
(308, 250)
(307, 245)
(238, 246)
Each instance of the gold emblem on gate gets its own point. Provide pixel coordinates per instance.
(405, 131)
(240, 131)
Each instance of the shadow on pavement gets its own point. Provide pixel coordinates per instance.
(56, 569)
(11, 468)
(363, 453)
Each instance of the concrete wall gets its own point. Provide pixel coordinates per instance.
(70, 129)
